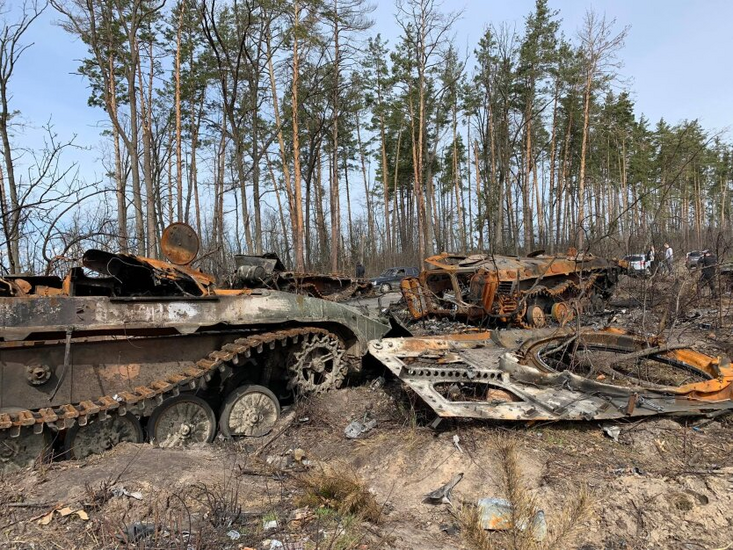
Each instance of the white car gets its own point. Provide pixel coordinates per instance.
(638, 265)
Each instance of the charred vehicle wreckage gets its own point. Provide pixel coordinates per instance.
(148, 342)
(267, 271)
(156, 350)
(557, 374)
(510, 290)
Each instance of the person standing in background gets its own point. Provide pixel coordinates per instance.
(651, 253)
(668, 258)
(360, 271)
(709, 264)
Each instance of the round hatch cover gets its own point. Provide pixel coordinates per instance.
(179, 244)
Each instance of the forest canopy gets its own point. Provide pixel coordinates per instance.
(291, 126)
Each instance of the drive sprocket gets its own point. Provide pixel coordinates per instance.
(317, 364)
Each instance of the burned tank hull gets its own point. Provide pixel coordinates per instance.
(509, 290)
(157, 345)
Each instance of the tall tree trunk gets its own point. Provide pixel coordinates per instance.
(367, 194)
(479, 197)
(420, 200)
(389, 245)
(469, 188)
(562, 187)
(583, 152)
(320, 215)
(335, 204)
(145, 123)
(171, 194)
(456, 183)
(526, 204)
(119, 176)
(298, 229)
(348, 206)
(281, 143)
(394, 187)
(132, 148)
(553, 196)
(179, 160)
(254, 86)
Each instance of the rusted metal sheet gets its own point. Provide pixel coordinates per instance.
(507, 290)
(129, 275)
(557, 374)
(179, 243)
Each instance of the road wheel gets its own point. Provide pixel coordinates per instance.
(182, 421)
(23, 451)
(101, 435)
(535, 317)
(249, 411)
(562, 313)
(385, 288)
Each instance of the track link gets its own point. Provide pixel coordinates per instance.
(566, 287)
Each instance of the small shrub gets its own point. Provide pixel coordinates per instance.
(339, 490)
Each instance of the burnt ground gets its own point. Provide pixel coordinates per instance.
(666, 483)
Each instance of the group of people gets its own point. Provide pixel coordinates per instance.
(708, 264)
(668, 260)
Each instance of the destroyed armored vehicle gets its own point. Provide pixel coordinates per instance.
(557, 374)
(510, 290)
(93, 361)
(267, 271)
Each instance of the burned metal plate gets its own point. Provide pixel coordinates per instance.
(179, 243)
(558, 375)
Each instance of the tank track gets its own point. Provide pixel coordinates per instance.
(559, 289)
(143, 399)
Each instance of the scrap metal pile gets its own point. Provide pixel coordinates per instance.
(551, 373)
(267, 271)
(510, 290)
(557, 374)
(126, 348)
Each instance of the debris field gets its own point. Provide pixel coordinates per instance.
(540, 402)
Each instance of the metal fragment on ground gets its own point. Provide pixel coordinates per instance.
(443, 493)
(356, 428)
(498, 514)
(557, 374)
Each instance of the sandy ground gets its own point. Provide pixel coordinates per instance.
(665, 484)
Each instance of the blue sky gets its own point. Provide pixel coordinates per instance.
(676, 62)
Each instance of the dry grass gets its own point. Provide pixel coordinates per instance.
(221, 502)
(524, 504)
(469, 519)
(341, 490)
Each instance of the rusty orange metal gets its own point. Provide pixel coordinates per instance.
(179, 243)
(504, 290)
